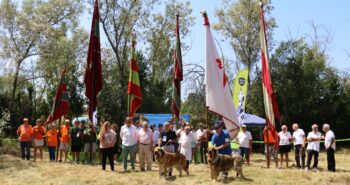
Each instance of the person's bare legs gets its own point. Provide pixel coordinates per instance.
(276, 162)
(35, 149)
(61, 154)
(281, 159)
(41, 152)
(267, 162)
(248, 159)
(65, 155)
(287, 159)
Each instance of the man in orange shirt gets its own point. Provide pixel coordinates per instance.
(38, 132)
(64, 140)
(270, 149)
(24, 133)
(51, 140)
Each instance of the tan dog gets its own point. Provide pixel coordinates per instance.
(170, 160)
(224, 163)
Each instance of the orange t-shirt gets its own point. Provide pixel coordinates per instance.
(25, 132)
(51, 137)
(38, 132)
(65, 134)
(271, 137)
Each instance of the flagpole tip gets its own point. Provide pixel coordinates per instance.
(261, 3)
(205, 16)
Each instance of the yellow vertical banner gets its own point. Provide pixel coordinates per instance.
(240, 84)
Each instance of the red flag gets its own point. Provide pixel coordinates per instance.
(93, 73)
(134, 90)
(271, 108)
(178, 76)
(61, 104)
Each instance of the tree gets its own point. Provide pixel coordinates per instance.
(24, 30)
(239, 22)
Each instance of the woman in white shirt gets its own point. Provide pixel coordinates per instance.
(284, 138)
(187, 140)
(107, 140)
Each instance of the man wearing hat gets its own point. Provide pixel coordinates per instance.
(245, 143)
(221, 141)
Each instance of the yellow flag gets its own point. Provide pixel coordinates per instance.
(241, 84)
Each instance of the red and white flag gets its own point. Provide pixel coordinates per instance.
(271, 108)
(218, 93)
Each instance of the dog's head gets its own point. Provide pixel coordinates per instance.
(158, 153)
(212, 153)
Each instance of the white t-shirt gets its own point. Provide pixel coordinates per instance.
(299, 136)
(284, 138)
(109, 138)
(314, 145)
(244, 139)
(328, 139)
(128, 135)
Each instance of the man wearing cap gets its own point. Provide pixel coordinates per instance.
(245, 143)
(24, 133)
(221, 142)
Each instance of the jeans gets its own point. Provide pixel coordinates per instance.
(244, 152)
(311, 153)
(25, 147)
(299, 154)
(107, 153)
(52, 151)
(330, 159)
(126, 151)
(203, 150)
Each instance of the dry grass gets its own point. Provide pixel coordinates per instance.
(15, 171)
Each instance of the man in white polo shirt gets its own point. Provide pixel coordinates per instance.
(299, 145)
(329, 143)
(245, 143)
(313, 147)
(128, 134)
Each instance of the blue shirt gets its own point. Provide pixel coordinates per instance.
(221, 139)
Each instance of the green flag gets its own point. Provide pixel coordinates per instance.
(241, 84)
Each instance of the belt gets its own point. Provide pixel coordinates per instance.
(144, 144)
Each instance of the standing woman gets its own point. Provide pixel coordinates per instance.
(107, 140)
(51, 140)
(284, 143)
(38, 132)
(116, 147)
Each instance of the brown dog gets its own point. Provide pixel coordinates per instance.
(168, 160)
(224, 163)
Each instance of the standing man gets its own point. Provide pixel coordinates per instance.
(76, 136)
(194, 144)
(128, 134)
(202, 138)
(245, 141)
(64, 140)
(329, 143)
(167, 139)
(313, 147)
(221, 142)
(24, 133)
(51, 140)
(38, 132)
(89, 137)
(270, 149)
(146, 140)
(299, 145)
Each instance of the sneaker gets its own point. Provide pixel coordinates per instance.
(315, 170)
(142, 169)
(306, 169)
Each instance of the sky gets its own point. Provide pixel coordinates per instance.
(293, 18)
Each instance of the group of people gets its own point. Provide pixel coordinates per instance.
(284, 139)
(140, 138)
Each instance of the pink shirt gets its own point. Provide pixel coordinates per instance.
(145, 137)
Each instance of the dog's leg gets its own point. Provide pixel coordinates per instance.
(165, 171)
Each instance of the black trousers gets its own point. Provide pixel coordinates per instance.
(107, 153)
(330, 159)
(299, 154)
(310, 154)
(203, 149)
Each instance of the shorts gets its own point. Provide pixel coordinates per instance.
(244, 152)
(63, 146)
(87, 147)
(76, 148)
(38, 142)
(282, 149)
(272, 152)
